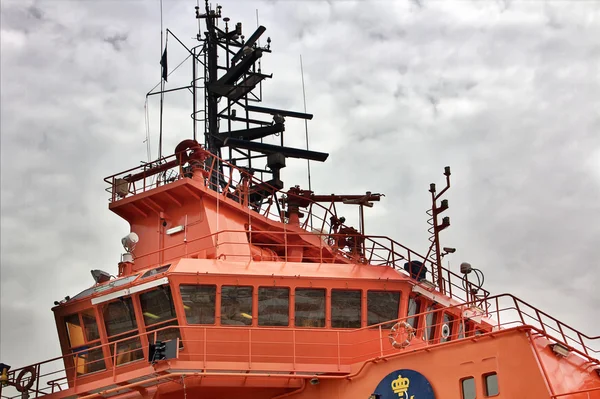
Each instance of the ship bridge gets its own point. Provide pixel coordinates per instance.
(232, 287)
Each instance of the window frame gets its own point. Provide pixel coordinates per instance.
(484, 378)
(462, 387)
(386, 324)
(126, 336)
(217, 304)
(87, 345)
(173, 307)
(253, 308)
(150, 329)
(156, 271)
(289, 303)
(324, 290)
(361, 308)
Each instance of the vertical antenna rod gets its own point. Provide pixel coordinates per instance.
(305, 122)
(162, 84)
(194, 90)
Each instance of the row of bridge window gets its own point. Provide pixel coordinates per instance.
(236, 308)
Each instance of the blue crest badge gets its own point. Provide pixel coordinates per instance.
(404, 384)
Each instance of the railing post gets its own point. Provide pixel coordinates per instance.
(498, 312)
(294, 343)
(75, 370)
(581, 342)
(449, 283)
(285, 244)
(537, 313)
(380, 342)
(249, 348)
(205, 348)
(339, 359)
(37, 379)
(114, 361)
(321, 246)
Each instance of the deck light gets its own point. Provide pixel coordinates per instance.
(130, 241)
(100, 276)
(175, 230)
(560, 350)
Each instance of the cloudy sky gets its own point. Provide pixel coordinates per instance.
(505, 92)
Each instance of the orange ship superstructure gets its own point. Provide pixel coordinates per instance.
(231, 287)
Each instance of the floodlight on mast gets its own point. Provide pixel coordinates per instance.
(130, 241)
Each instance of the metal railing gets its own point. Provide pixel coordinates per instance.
(299, 351)
(236, 184)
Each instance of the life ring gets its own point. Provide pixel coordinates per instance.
(445, 331)
(19, 381)
(396, 331)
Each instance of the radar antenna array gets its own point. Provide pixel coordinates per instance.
(232, 83)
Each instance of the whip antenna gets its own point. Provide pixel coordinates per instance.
(305, 122)
(306, 132)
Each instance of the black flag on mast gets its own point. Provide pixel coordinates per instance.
(163, 64)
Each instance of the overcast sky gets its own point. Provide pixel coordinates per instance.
(505, 92)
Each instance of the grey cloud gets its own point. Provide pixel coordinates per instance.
(517, 119)
(116, 40)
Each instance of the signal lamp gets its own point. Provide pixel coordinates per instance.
(560, 350)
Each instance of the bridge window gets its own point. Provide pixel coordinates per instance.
(157, 305)
(490, 382)
(346, 308)
(309, 307)
(119, 317)
(382, 306)
(82, 333)
(468, 388)
(159, 313)
(273, 306)
(120, 323)
(430, 320)
(154, 272)
(414, 306)
(236, 305)
(91, 327)
(447, 328)
(199, 303)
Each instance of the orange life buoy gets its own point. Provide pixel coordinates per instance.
(396, 331)
(19, 381)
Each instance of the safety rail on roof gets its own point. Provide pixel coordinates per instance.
(236, 183)
(378, 251)
(294, 351)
